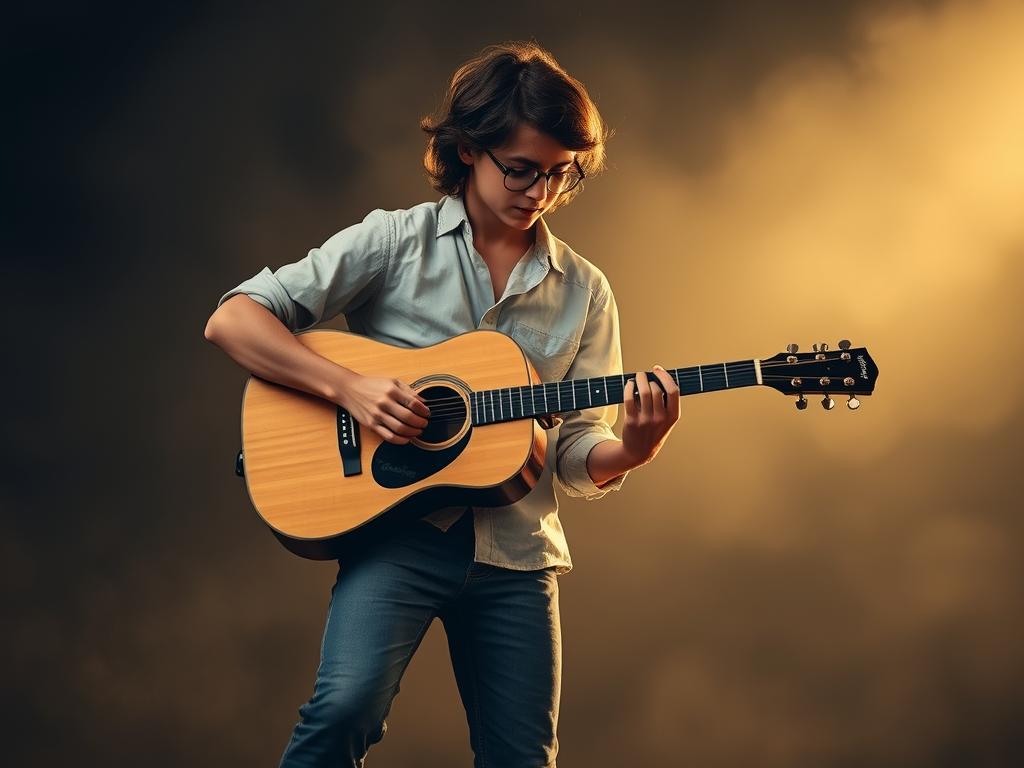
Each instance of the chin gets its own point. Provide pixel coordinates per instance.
(516, 222)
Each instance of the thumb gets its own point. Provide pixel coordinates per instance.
(416, 403)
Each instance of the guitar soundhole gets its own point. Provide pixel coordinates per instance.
(447, 414)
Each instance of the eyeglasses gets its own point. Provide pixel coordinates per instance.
(521, 179)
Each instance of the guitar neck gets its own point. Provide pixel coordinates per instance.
(491, 406)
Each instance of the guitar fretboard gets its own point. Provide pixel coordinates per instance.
(491, 406)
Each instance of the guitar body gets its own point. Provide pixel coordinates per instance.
(326, 498)
(328, 487)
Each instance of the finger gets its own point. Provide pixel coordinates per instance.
(410, 406)
(662, 396)
(418, 405)
(657, 399)
(673, 405)
(644, 389)
(406, 413)
(629, 399)
(398, 427)
(388, 436)
(673, 401)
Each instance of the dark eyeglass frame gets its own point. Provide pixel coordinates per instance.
(537, 174)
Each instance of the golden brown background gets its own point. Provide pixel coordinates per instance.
(777, 589)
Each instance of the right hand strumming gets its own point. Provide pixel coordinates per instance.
(389, 407)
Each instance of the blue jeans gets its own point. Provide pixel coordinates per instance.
(503, 635)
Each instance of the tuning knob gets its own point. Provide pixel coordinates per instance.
(801, 403)
(828, 403)
(844, 344)
(793, 348)
(853, 403)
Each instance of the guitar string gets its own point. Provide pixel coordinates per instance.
(579, 382)
(687, 374)
(458, 414)
(444, 401)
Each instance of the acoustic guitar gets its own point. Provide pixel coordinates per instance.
(325, 485)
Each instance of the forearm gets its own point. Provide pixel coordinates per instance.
(607, 460)
(256, 339)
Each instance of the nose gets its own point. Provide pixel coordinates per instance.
(539, 190)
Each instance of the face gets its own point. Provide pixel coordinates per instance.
(526, 148)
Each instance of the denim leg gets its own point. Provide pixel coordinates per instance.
(504, 635)
(381, 606)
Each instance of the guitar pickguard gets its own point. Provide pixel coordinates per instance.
(396, 466)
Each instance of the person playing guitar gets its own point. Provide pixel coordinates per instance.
(515, 137)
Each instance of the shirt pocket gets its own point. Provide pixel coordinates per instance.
(551, 355)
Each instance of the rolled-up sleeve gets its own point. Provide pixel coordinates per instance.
(599, 354)
(335, 278)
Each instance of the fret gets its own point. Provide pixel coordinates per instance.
(743, 373)
(581, 385)
(551, 387)
(602, 390)
(558, 388)
(608, 381)
(690, 382)
(714, 380)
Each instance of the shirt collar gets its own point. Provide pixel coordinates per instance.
(453, 212)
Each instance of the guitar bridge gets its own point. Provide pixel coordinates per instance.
(348, 443)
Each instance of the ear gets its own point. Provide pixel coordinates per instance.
(467, 155)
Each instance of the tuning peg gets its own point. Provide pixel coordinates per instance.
(853, 403)
(828, 403)
(844, 344)
(823, 347)
(793, 348)
(814, 347)
(801, 403)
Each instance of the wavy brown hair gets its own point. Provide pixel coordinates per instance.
(492, 93)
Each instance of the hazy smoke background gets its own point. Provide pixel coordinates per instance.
(776, 589)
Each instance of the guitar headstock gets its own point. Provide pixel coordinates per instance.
(843, 371)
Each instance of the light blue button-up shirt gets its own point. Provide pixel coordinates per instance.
(412, 278)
